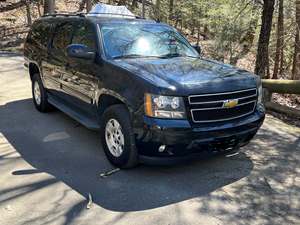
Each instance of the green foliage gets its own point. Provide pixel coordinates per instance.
(231, 23)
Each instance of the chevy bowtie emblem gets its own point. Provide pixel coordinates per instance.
(230, 103)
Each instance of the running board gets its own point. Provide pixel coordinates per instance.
(79, 117)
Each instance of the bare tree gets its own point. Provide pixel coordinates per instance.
(81, 5)
(262, 56)
(28, 13)
(157, 9)
(49, 6)
(171, 8)
(278, 62)
(143, 8)
(13, 6)
(134, 4)
(89, 5)
(39, 2)
(296, 64)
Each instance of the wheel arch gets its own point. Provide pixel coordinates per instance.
(109, 98)
(33, 69)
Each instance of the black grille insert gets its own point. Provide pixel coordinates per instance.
(196, 99)
(212, 108)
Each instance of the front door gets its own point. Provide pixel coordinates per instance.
(79, 81)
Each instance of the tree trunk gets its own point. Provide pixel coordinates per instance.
(143, 8)
(192, 27)
(296, 64)
(122, 2)
(39, 7)
(262, 58)
(171, 8)
(12, 6)
(28, 13)
(280, 41)
(49, 7)
(81, 5)
(296, 56)
(134, 4)
(89, 5)
(157, 9)
(198, 35)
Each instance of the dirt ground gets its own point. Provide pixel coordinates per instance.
(49, 165)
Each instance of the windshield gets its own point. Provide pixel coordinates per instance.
(144, 40)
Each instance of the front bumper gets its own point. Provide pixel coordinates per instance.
(185, 139)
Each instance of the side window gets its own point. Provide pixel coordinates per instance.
(44, 33)
(63, 36)
(84, 34)
(40, 33)
(35, 32)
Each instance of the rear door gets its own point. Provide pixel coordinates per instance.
(36, 47)
(57, 56)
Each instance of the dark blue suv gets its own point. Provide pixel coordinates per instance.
(140, 83)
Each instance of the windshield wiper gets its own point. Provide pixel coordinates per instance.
(173, 55)
(133, 56)
(166, 56)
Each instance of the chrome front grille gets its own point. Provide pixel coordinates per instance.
(222, 106)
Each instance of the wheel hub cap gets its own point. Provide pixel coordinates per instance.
(37, 93)
(114, 137)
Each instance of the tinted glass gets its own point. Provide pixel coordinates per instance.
(41, 33)
(144, 40)
(63, 36)
(84, 34)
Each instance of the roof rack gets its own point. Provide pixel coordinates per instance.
(81, 14)
(62, 14)
(113, 14)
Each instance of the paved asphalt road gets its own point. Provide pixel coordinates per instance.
(49, 164)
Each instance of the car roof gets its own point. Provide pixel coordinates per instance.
(95, 19)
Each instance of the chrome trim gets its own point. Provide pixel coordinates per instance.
(221, 101)
(222, 93)
(201, 109)
(221, 120)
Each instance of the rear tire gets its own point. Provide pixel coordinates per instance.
(39, 94)
(117, 137)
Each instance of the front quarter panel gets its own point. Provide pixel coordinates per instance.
(125, 86)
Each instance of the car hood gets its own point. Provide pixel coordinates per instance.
(190, 75)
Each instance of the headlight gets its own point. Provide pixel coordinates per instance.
(164, 106)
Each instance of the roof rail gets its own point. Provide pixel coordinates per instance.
(113, 14)
(62, 14)
(81, 14)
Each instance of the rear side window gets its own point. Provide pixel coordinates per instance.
(84, 34)
(40, 33)
(63, 36)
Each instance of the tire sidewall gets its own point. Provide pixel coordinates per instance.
(128, 158)
(43, 105)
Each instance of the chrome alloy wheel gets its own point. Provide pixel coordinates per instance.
(37, 93)
(114, 137)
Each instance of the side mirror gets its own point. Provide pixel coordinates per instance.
(197, 48)
(80, 51)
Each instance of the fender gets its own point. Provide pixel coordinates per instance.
(104, 91)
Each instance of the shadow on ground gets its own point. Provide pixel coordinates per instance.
(57, 145)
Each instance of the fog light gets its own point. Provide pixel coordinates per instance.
(162, 148)
(261, 108)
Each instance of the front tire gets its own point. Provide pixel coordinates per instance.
(117, 137)
(39, 94)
